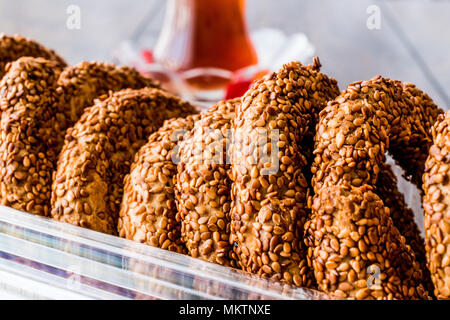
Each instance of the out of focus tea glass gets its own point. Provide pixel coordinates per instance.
(204, 42)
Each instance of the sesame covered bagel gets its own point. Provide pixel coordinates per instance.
(403, 219)
(355, 249)
(28, 131)
(368, 119)
(98, 151)
(148, 213)
(203, 185)
(268, 170)
(353, 134)
(15, 47)
(436, 202)
(79, 85)
(50, 100)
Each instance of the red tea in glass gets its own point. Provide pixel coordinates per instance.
(205, 41)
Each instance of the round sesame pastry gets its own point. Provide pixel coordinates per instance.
(403, 219)
(98, 151)
(27, 154)
(268, 169)
(79, 85)
(15, 47)
(353, 134)
(436, 202)
(148, 213)
(203, 186)
(367, 119)
(355, 249)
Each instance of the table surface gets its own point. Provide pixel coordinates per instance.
(412, 43)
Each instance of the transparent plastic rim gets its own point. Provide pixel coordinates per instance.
(85, 263)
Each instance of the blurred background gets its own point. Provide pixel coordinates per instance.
(410, 41)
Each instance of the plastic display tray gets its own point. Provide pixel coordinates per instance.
(45, 259)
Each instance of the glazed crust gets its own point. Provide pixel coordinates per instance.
(98, 151)
(28, 131)
(436, 202)
(203, 186)
(355, 249)
(148, 213)
(269, 201)
(15, 47)
(354, 132)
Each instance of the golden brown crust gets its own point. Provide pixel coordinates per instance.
(148, 213)
(436, 202)
(366, 120)
(27, 139)
(98, 151)
(81, 84)
(57, 105)
(269, 203)
(403, 219)
(15, 47)
(203, 186)
(355, 249)
(353, 134)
